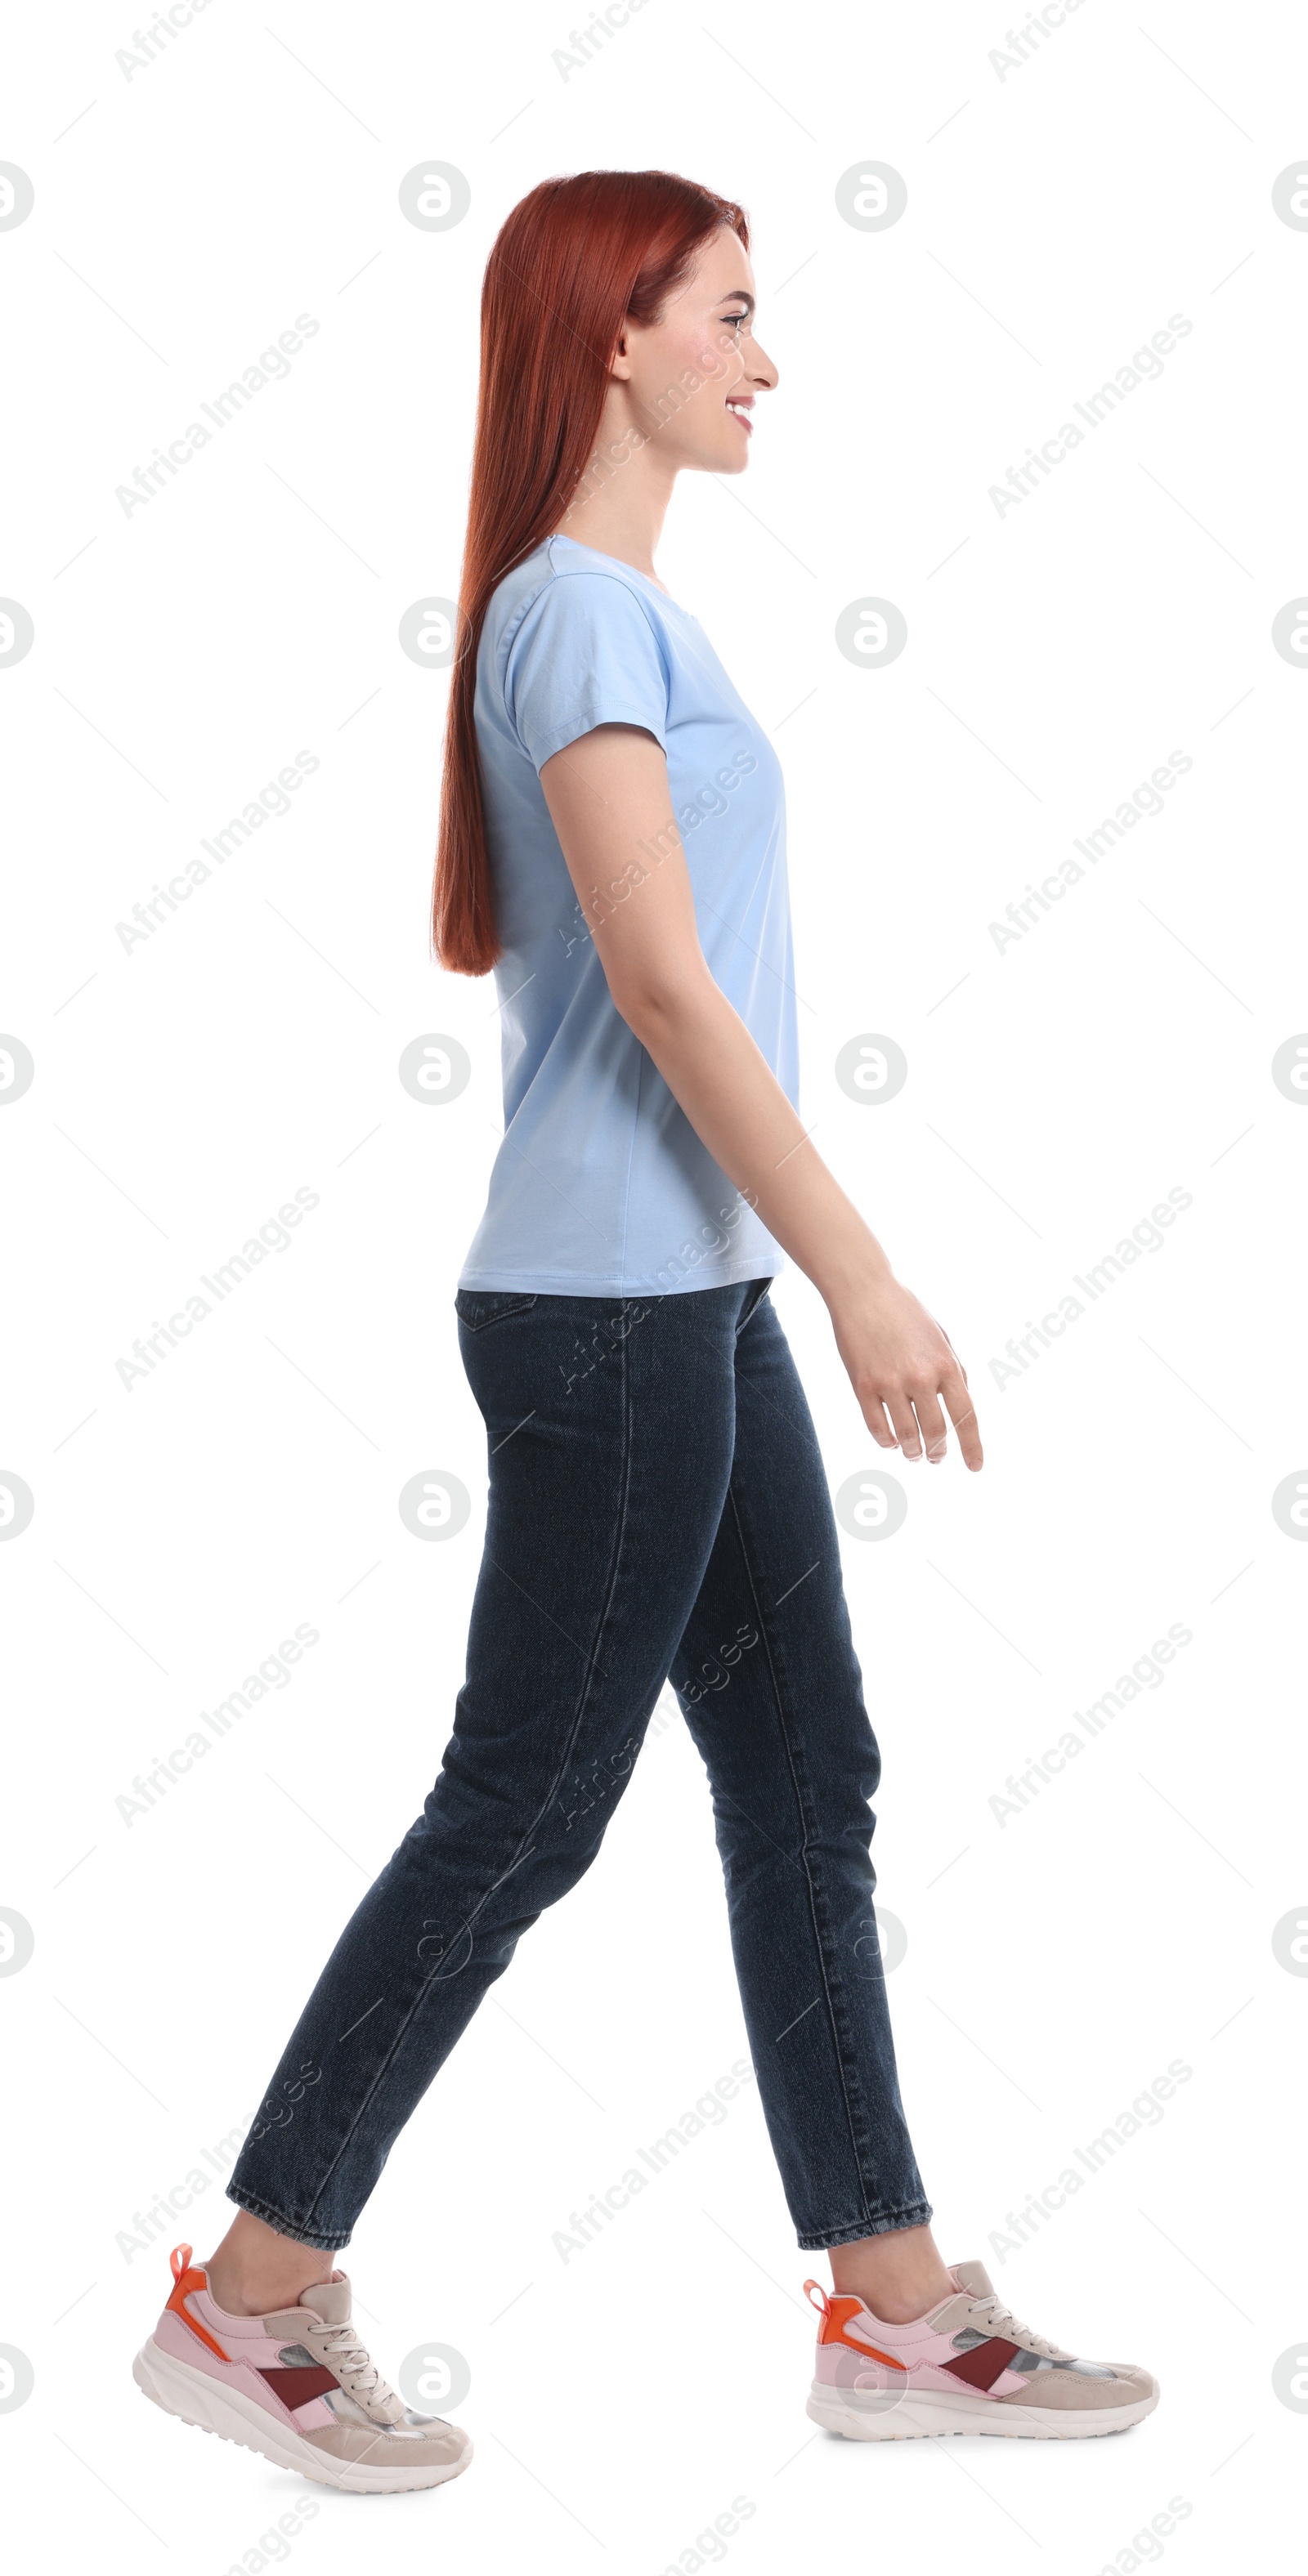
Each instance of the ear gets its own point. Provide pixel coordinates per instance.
(620, 362)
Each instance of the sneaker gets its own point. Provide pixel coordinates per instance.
(967, 2366)
(297, 2385)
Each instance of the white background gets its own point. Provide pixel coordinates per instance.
(1057, 1962)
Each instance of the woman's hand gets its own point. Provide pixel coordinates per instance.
(902, 1363)
(609, 802)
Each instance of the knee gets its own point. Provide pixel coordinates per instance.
(588, 1794)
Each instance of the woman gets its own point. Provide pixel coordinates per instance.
(612, 845)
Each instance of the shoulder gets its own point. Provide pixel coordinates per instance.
(592, 590)
(573, 605)
(560, 590)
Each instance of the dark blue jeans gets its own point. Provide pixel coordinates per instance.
(658, 1507)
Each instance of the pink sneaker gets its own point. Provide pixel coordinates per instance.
(297, 2385)
(967, 2366)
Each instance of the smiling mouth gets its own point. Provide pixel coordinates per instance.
(740, 411)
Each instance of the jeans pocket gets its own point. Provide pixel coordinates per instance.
(477, 1308)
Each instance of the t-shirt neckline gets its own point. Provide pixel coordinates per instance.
(559, 538)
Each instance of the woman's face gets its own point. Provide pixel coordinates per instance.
(690, 380)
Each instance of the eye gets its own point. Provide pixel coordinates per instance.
(734, 320)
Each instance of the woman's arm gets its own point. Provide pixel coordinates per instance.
(608, 799)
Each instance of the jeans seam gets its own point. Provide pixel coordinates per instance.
(258, 2208)
(592, 1663)
(917, 2213)
(818, 1935)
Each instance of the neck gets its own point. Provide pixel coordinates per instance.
(622, 498)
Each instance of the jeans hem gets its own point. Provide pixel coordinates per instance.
(285, 2226)
(918, 2214)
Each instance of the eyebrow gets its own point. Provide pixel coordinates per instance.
(738, 295)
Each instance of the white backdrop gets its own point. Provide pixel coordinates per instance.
(1072, 185)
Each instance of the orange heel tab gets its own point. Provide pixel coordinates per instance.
(186, 2278)
(837, 2314)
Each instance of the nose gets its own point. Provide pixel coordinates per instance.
(759, 367)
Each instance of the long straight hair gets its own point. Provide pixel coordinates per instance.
(571, 263)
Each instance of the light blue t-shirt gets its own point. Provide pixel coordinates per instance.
(601, 1186)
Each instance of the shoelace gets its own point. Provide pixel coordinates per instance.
(350, 2356)
(1001, 2321)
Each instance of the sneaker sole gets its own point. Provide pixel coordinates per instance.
(930, 2412)
(213, 2407)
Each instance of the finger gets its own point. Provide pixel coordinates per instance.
(962, 1413)
(935, 1434)
(904, 1419)
(875, 1418)
(945, 1338)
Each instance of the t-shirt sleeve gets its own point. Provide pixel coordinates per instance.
(585, 654)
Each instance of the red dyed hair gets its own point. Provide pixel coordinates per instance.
(573, 260)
